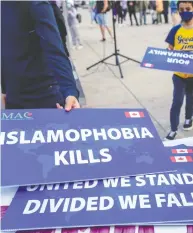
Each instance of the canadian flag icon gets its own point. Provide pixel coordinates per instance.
(182, 151)
(181, 159)
(149, 65)
(134, 114)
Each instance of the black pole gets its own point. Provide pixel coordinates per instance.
(114, 33)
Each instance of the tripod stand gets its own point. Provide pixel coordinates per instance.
(116, 52)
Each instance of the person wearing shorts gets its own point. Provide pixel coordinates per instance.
(101, 19)
(101, 9)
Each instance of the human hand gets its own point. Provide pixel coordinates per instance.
(70, 103)
(3, 99)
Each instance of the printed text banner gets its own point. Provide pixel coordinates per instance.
(140, 200)
(51, 146)
(163, 59)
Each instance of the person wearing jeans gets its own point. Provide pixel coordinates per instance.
(159, 9)
(182, 87)
(143, 5)
(124, 8)
(165, 10)
(180, 38)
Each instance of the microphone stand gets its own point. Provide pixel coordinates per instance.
(116, 53)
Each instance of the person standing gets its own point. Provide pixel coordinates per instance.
(132, 11)
(119, 12)
(143, 5)
(165, 10)
(152, 5)
(101, 18)
(36, 72)
(92, 4)
(72, 23)
(181, 38)
(124, 8)
(159, 10)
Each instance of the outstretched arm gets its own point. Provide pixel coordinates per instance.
(51, 43)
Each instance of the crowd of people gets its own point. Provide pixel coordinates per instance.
(158, 9)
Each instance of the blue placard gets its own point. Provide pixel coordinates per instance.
(50, 146)
(182, 157)
(157, 198)
(164, 59)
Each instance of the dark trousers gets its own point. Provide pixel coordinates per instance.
(120, 16)
(182, 87)
(165, 13)
(133, 13)
(143, 17)
(124, 13)
(48, 101)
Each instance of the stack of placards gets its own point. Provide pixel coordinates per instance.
(92, 168)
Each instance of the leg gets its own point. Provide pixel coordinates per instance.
(130, 16)
(189, 99)
(73, 36)
(178, 97)
(124, 14)
(140, 17)
(134, 13)
(104, 23)
(152, 17)
(165, 17)
(92, 16)
(158, 17)
(77, 36)
(109, 31)
(145, 18)
(102, 28)
(118, 15)
(118, 19)
(167, 21)
(100, 23)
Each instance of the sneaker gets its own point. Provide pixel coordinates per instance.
(171, 135)
(79, 47)
(188, 125)
(103, 40)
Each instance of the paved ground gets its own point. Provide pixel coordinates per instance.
(103, 88)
